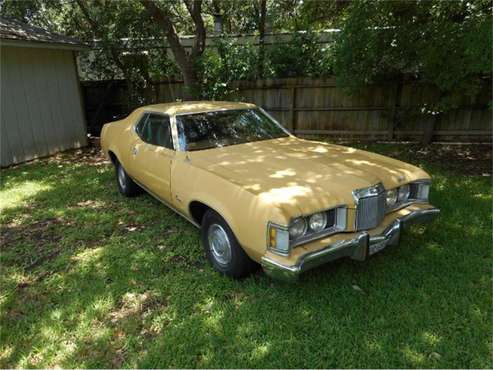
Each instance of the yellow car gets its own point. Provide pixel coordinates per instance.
(261, 195)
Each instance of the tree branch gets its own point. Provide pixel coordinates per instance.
(186, 63)
(261, 29)
(99, 34)
(163, 19)
(195, 10)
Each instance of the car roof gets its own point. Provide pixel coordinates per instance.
(195, 107)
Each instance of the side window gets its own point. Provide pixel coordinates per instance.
(155, 129)
(139, 128)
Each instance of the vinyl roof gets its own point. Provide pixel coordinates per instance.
(13, 31)
(196, 106)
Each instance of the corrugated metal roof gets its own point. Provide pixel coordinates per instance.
(13, 30)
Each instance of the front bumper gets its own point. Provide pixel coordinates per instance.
(357, 247)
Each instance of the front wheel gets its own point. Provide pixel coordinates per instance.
(222, 249)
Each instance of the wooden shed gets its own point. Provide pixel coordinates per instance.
(40, 99)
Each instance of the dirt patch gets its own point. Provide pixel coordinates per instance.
(134, 304)
(41, 234)
(89, 156)
(38, 231)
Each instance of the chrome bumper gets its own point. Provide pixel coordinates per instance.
(356, 248)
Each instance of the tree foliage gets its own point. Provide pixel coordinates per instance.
(445, 43)
(225, 63)
(303, 55)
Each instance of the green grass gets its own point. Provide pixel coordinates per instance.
(91, 279)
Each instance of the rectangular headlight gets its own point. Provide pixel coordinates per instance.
(278, 238)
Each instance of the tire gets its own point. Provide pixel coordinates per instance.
(216, 236)
(125, 184)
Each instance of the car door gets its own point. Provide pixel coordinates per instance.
(152, 154)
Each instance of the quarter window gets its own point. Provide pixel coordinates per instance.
(155, 129)
(139, 128)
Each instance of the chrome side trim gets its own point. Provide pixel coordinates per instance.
(174, 133)
(421, 216)
(275, 121)
(211, 111)
(167, 204)
(357, 247)
(399, 206)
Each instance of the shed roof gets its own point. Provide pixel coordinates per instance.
(15, 33)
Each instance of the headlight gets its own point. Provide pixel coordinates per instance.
(391, 198)
(303, 229)
(317, 221)
(404, 192)
(414, 191)
(297, 228)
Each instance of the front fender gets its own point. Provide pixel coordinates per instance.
(244, 212)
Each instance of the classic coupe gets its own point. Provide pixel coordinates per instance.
(259, 194)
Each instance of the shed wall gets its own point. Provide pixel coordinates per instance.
(40, 104)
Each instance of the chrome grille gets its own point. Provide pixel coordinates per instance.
(370, 211)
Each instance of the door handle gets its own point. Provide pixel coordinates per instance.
(134, 150)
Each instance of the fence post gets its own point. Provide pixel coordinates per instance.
(429, 129)
(292, 110)
(157, 92)
(394, 113)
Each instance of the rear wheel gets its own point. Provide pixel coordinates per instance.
(126, 185)
(222, 248)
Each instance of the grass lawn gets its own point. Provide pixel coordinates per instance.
(91, 279)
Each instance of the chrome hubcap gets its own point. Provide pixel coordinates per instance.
(121, 176)
(219, 244)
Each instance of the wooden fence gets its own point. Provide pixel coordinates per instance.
(320, 107)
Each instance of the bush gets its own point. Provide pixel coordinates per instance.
(225, 63)
(303, 56)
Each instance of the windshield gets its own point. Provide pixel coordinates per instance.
(222, 128)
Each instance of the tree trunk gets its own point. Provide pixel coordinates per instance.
(395, 114)
(191, 83)
(185, 62)
(261, 41)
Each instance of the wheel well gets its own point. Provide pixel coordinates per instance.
(113, 157)
(198, 210)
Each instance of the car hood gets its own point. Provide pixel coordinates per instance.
(305, 174)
